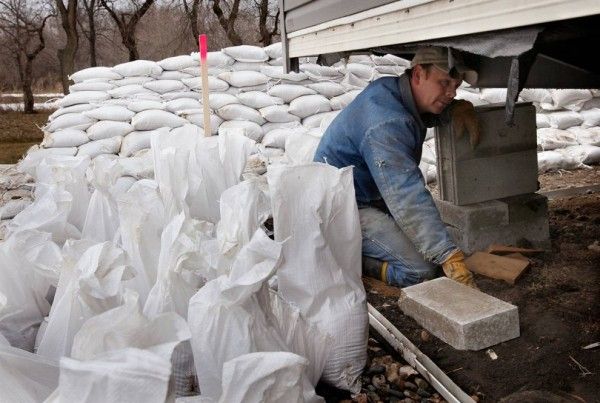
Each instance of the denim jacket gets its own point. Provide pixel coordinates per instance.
(381, 134)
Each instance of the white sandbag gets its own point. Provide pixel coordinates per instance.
(141, 214)
(317, 72)
(35, 155)
(216, 59)
(326, 121)
(13, 207)
(361, 71)
(111, 112)
(247, 66)
(139, 165)
(230, 302)
(244, 78)
(180, 104)
(341, 101)
(586, 136)
(244, 208)
(300, 147)
(248, 129)
(85, 86)
(270, 152)
(163, 86)
(94, 73)
(130, 91)
(128, 375)
(70, 109)
(569, 98)
(352, 82)
(494, 95)
(267, 127)
(92, 287)
(246, 53)
(328, 89)
(69, 121)
(564, 119)
(218, 100)
(138, 68)
(278, 114)
(198, 120)
(390, 60)
(83, 97)
(214, 84)
(143, 105)
(267, 377)
(154, 119)
(126, 81)
(26, 377)
(105, 146)
(307, 105)
(428, 152)
(240, 112)
(536, 95)
(173, 75)
(289, 92)
(364, 59)
(591, 117)
(549, 161)
(258, 99)
(542, 121)
(169, 96)
(389, 70)
(550, 139)
(108, 128)
(328, 290)
(65, 138)
(277, 73)
(177, 62)
(592, 103)
(274, 50)
(276, 62)
(26, 257)
(582, 154)
(313, 121)
(277, 137)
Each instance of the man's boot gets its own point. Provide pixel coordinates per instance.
(374, 268)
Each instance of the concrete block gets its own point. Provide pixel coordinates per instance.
(465, 318)
(475, 216)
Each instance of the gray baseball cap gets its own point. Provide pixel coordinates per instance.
(444, 60)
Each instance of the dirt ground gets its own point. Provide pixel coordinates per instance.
(18, 132)
(559, 311)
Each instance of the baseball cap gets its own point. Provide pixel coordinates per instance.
(445, 60)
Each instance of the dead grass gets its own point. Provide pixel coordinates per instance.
(18, 132)
(11, 153)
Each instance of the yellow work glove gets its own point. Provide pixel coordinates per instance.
(455, 268)
(464, 119)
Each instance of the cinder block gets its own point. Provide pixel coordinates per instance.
(474, 216)
(465, 318)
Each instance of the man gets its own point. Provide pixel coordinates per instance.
(381, 134)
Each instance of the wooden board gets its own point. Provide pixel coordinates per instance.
(498, 249)
(499, 267)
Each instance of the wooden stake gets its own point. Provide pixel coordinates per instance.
(205, 90)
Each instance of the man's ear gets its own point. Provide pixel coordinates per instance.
(417, 73)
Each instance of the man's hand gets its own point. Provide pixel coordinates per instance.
(456, 269)
(464, 118)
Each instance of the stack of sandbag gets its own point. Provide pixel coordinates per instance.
(170, 282)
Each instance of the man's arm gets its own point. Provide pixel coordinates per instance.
(388, 150)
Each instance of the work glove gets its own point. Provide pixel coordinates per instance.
(455, 268)
(464, 119)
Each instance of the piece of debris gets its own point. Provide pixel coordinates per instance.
(595, 246)
(500, 267)
(492, 354)
(591, 346)
(425, 335)
(584, 371)
(499, 249)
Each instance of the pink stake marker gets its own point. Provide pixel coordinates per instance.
(205, 90)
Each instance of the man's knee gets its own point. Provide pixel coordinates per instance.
(402, 276)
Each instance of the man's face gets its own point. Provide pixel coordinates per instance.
(433, 89)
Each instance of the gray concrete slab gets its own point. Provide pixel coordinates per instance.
(465, 318)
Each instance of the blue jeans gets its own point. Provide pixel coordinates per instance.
(382, 239)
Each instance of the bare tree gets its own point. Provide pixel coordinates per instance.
(191, 12)
(91, 8)
(264, 12)
(127, 20)
(24, 25)
(66, 55)
(227, 22)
